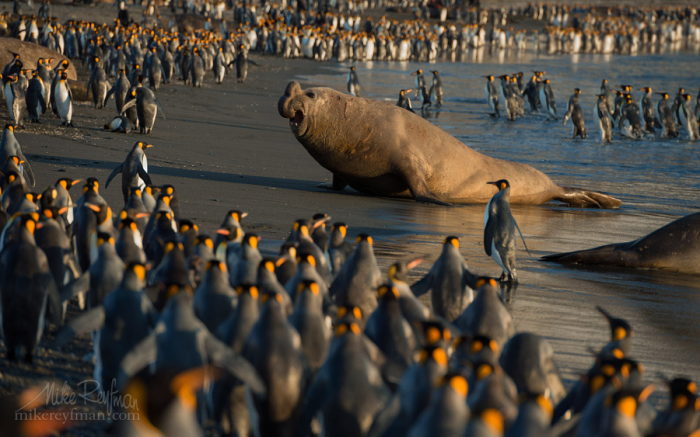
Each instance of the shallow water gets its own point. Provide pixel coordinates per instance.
(655, 178)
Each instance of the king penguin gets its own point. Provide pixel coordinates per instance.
(354, 83)
(404, 101)
(499, 230)
(647, 110)
(665, 116)
(688, 118)
(134, 170)
(64, 100)
(436, 89)
(420, 80)
(492, 95)
(602, 118)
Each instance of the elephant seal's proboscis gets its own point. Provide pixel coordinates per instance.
(381, 149)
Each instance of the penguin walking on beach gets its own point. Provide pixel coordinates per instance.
(219, 66)
(688, 120)
(98, 84)
(156, 73)
(647, 107)
(147, 107)
(499, 230)
(602, 118)
(492, 99)
(35, 98)
(404, 101)
(436, 89)
(120, 89)
(547, 99)
(134, 170)
(354, 87)
(241, 64)
(666, 117)
(420, 81)
(576, 114)
(450, 282)
(64, 100)
(15, 99)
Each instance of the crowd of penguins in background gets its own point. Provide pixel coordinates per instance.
(213, 337)
(613, 107)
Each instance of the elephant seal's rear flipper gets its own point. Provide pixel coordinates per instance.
(587, 199)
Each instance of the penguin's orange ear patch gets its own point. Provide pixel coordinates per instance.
(503, 185)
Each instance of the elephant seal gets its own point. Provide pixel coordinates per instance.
(378, 148)
(674, 247)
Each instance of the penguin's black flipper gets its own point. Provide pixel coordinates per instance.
(143, 175)
(28, 172)
(80, 285)
(117, 170)
(90, 321)
(160, 109)
(139, 357)
(422, 286)
(54, 300)
(130, 104)
(110, 92)
(222, 356)
(489, 232)
(314, 400)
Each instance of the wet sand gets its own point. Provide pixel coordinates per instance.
(226, 147)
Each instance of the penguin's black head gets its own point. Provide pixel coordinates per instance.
(127, 223)
(601, 96)
(312, 286)
(91, 184)
(457, 382)
(577, 91)
(216, 264)
(10, 127)
(605, 81)
(104, 238)
(389, 292)
(435, 332)
(64, 76)
(137, 269)
(252, 290)
(251, 240)
(143, 146)
(345, 328)
(451, 240)
(619, 328)
(432, 353)
(664, 96)
(187, 225)
(501, 184)
(364, 237)
(205, 240)
(681, 90)
(486, 281)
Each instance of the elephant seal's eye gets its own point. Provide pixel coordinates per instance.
(311, 95)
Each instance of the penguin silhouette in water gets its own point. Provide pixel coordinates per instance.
(499, 231)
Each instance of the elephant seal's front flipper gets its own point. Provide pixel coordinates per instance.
(338, 184)
(587, 199)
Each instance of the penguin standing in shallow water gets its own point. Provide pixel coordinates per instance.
(436, 89)
(547, 99)
(647, 110)
(602, 118)
(499, 230)
(688, 118)
(404, 101)
(354, 83)
(492, 95)
(665, 116)
(420, 81)
(576, 114)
